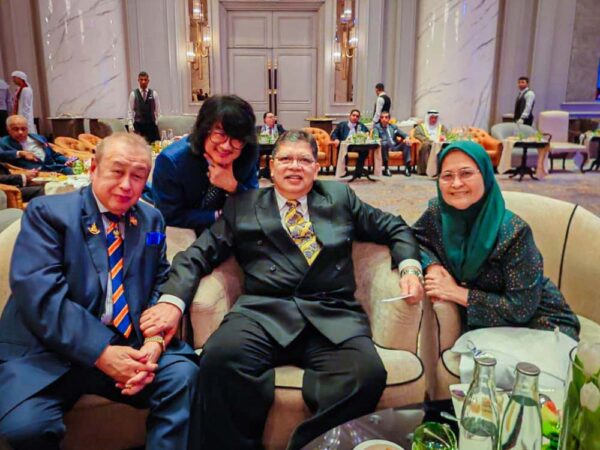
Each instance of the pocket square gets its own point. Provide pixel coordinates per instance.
(154, 238)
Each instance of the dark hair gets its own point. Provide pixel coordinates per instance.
(385, 112)
(524, 78)
(379, 87)
(297, 136)
(357, 110)
(143, 74)
(238, 121)
(265, 114)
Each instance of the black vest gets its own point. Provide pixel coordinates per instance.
(520, 107)
(387, 103)
(144, 109)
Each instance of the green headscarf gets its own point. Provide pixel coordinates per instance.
(469, 235)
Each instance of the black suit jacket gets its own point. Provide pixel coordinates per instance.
(282, 291)
(342, 130)
(7, 178)
(280, 129)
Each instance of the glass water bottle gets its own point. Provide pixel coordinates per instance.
(522, 423)
(479, 419)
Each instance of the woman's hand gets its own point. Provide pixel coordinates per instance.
(441, 286)
(221, 176)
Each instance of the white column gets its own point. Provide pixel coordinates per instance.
(84, 57)
(456, 43)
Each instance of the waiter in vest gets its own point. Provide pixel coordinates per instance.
(383, 102)
(524, 103)
(144, 109)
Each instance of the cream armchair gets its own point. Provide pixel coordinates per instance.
(556, 123)
(395, 329)
(566, 235)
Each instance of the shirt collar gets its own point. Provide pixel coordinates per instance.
(281, 202)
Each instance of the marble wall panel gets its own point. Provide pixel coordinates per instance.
(456, 42)
(84, 44)
(585, 52)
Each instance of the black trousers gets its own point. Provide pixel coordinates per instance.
(148, 130)
(29, 192)
(400, 147)
(38, 424)
(236, 382)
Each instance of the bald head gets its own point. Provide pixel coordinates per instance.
(15, 118)
(129, 140)
(18, 128)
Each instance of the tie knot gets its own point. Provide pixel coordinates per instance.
(292, 203)
(112, 217)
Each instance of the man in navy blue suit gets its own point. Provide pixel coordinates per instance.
(85, 266)
(347, 128)
(30, 151)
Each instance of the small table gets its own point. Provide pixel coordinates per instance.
(523, 169)
(323, 123)
(395, 425)
(340, 169)
(265, 150)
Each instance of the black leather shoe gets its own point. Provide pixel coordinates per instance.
(386, 172)
(407, 171)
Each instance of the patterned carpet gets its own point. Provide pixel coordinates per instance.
(408, 196)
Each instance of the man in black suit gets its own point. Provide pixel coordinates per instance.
(23, 182)
(270, 125)
(294, 244)
(345, 129)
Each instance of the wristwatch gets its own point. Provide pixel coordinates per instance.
(158, 339)
(412, 271)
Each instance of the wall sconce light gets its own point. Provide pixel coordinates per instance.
(206, 41)
(197, 13)
(337, 52)
(190, 53)
(352, 43)
(347, 12)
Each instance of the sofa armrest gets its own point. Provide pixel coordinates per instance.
(214, 297)
(396, 325)
(14, 199)
(449, 324)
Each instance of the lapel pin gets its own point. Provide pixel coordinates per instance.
(133, 221)
(93, 229)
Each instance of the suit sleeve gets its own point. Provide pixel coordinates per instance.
(425, 229)
(8, 154)
(373, 225)
(14, 180)
(162, 272)
(337, 133)
(212, 248)
(40, 290)
(522, 287)
(170, 199)
(251, 182)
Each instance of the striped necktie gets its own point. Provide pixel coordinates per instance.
(301, 232)
(121, 318)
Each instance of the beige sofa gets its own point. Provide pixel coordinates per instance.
(567, 236)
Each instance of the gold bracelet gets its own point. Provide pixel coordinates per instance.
(158, 339)
(412, 271)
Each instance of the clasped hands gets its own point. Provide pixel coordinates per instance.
(441, 286)
(134, 369)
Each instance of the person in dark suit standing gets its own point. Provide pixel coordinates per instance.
(524, 103)
(71, 324)
(394, 139)
(29, 150)
(144, 109)
(294, 244)
(193, 176)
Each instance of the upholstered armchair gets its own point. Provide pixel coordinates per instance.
(14, 199)
(324, 142)
(569, 252)
(107, 127)
(68, 152)
(492, 146)
(395, 329)
(89, 141)
(556, 124)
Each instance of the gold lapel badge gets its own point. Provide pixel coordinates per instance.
(93, 229)
(133, 221)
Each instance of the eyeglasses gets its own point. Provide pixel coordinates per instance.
(464, 175)
(303, 161)
(218, 137)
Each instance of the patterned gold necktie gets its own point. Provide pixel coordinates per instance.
(301, 232)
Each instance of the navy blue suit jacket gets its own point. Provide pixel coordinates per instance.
(180, 183)
(53, 161)
(395, 131)
(58, 280)
(342, 130)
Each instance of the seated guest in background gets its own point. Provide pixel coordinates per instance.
(30, 151)
(431, 130)
(64, 334)
(23, 181)
(289, 239)
(270, 126)
(144, 109)
(392, 139)
(348, 128)
(193, 176)
(482, 256)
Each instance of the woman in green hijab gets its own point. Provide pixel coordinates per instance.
(480, 255)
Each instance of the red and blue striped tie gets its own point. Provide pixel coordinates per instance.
(121, 319)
